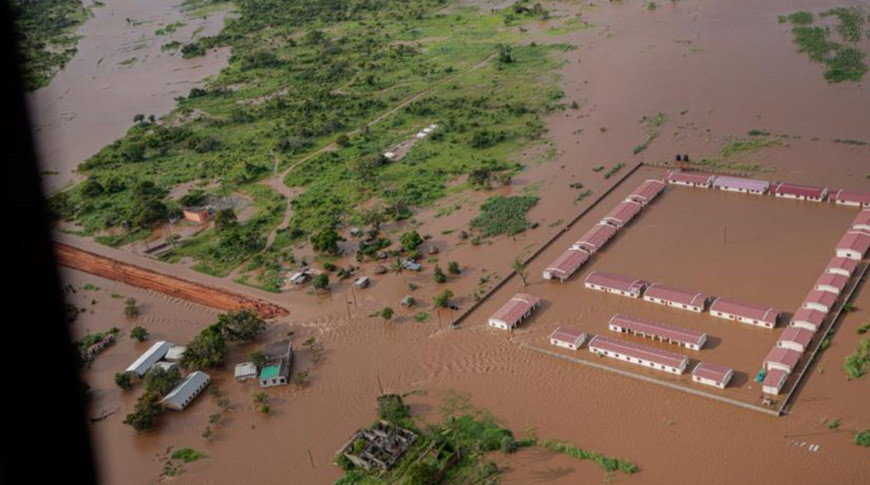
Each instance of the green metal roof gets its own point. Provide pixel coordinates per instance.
(270, 371)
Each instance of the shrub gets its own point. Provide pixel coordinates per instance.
(392, 408)
(124, 380)
(863, 438)
(140, 334)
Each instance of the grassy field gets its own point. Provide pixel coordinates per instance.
(815, 36)
(304, 75)
(46, 36)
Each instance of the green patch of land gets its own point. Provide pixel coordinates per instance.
(322, 90)
(503, 215)
(46, 36)
(840, 53)
(858, 362)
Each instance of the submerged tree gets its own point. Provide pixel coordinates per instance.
(520, 269)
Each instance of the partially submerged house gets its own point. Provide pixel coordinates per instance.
(691, 179)
(712, 374)
(616, 284)
(98, 347)
(851, 197)
(657, 331)
(185, 392)
(782, 358)
(833, 283)
(639, 355)
(842, 266)
(595, 238)
(808, 319)
(854, 245)
(676, 297)
(622, 213)
(245, 371)
(362, 282)
(381, 446)
(742, 185)
(566, 264)
(821, 301)
(568, 338)
(799, 192)
(278, 358)
(774, 381)
(517, 309)
(647, 191)
(862, 221)
(175, 353)
(150, 357)
(795, 338)
(744, 312)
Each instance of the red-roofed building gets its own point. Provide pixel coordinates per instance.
(800, 192)
(808, 319)
(691, 179)
(595, 238)
(794, 338)
(514, 311)
(833, 283)
(862, 221)
(622, 213)
(657, 331)
(675, 297)
(774, 381)
(614, 283)
(853, 198)
(712, 374)
(780, 358)
(744, 313)
(566, 264)
(819, 300)
(569, 338)
(639, 354)
(854, 245)
(647, 191)
(843, 266)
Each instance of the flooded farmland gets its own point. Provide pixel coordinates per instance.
(716, 70)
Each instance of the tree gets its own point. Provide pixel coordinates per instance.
(145, 413)
(130, 308)
(326, 241)
(124, 380)
(225, 219)
(261, 401)
(342, 140)
(439, 275)
(422, 473)
(258, 358)
(242, 325)
(161, 381)
(320, 281)
(374, 216)
(392, 408)
(207, 349)
(453, 267)
(140, 334)
(520, 269)
(505, 54)
(410, 240)
(386, 313)
(443, 298)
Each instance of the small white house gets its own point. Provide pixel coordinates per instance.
(151, 356)
(245, 371)
(174, 354)
(774, 381)
(795, 338)
(567, 338)
(712, 375)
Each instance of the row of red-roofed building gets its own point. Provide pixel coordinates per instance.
(760, 187)
(782, 359)
(682, 299)
(595, 238)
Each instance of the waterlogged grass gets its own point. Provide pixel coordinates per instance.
(609, 464)
(187, 455)
(46, 35)
(742, 146)
(843, 59)
(503, 215)
(305, 74)
(857, 363)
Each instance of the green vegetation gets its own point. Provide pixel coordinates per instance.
(613, 170)
(93, 338)
(140, 334)
(130, 308)
(503, 215)
(737, 146)
(46, 36)
(124, 380)
(209, 347)
(442, 300)
(330, 71)
(843, 59)
(386, 313)
(421, 317)
(187, 455)
(863, 438)
(609, 464)
(863, 329)
(519, 268)
(857, 363)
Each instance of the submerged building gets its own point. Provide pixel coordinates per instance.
(185, 392)
(744, 313)
(712, 374)
(657, 331)
(151, 356)
(595, 238)
(566, 264)
(616, 284)
(568, 338)
(517, 309)
(691, 179)
(647, 191)
(675, 297)
(742, 185)
(799, 192)
(639, 355)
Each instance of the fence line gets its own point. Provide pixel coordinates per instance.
(800, 380)
(544, 246)
(671, 385)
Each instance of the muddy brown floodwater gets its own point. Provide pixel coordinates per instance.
(118, 72)
(716, 69)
